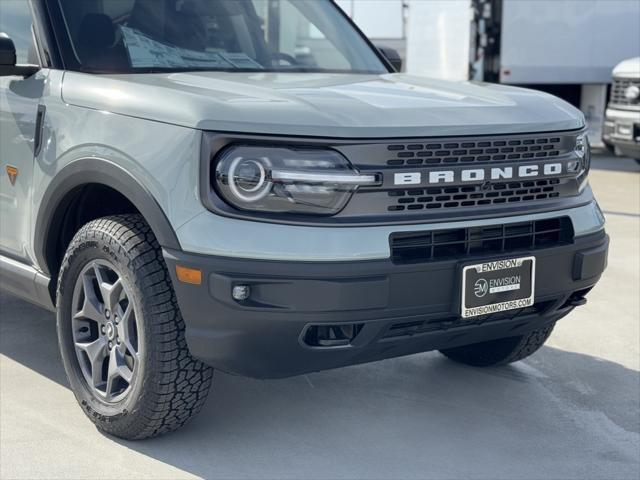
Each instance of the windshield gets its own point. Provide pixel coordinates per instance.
(128, 36)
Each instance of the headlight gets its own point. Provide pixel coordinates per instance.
(583, 164)
(583, 150)
(283, 180)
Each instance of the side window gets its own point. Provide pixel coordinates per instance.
(15, 21)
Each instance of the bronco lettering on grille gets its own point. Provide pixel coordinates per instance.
(478, 174)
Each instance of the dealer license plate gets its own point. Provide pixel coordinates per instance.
(498, 286)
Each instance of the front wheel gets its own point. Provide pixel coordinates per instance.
(121, 334)
(501, 351)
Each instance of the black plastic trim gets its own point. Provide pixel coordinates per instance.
(85, 171)
(37, 140)
(25, 282)
(261, 336)
(590, 263)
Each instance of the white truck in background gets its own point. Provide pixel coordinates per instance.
(622, 120)
(565, 47)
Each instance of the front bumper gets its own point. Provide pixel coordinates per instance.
(396, 309)
(622, 130)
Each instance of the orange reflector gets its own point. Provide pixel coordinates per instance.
(191, 276)
(13, 174)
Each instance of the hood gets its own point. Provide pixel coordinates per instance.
(628, 68)
(322, 105)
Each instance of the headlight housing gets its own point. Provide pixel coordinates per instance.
(583, 150)
(285, 180)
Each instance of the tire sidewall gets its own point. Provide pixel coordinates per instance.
(86, 248)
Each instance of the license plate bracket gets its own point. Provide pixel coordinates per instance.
(498, 286)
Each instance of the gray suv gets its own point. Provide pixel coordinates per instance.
(248, 186)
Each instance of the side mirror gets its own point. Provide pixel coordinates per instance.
(392, 56)
(8, 66)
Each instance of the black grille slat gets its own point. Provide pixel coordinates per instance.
(476, 151)
(416, 247)
(480, 151)
(471, 196)
(429, 177)
(618, 90)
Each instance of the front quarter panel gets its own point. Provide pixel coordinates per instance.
(162, 158)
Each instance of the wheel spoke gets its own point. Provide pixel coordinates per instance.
(117, 369)
(125, 372)
(112, 374)
(92, 308)
(96, 353)
(125, 331)
(110, 291)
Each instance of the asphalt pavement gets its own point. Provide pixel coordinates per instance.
(572, 411)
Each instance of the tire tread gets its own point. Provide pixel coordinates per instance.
(176, 386)
(501, 351)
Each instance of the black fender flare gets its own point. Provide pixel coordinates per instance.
(92, 170)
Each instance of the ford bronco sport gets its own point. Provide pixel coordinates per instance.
(249, 186)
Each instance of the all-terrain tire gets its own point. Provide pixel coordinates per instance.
(168, 385)
(501, 351)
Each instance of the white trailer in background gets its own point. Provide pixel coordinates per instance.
(565, 47)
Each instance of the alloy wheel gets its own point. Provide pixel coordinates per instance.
(105, 331)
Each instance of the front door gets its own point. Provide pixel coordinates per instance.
(19, 100)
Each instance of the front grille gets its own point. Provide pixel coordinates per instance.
(417, 247)
(473, 196)
(409, 329)
(420, 158)
(618, 90)
(476, 150)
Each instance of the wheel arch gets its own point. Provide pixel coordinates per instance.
(63, 190)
